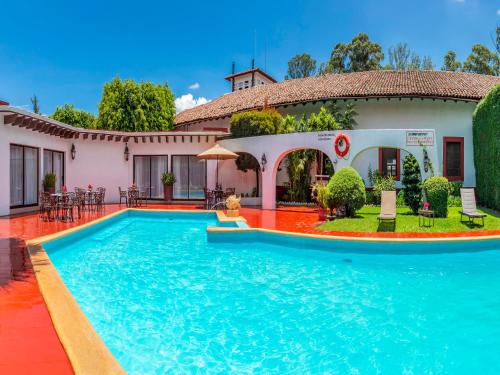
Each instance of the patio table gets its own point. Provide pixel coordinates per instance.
(429, 214)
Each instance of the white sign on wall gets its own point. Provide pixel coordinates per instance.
(420, 137)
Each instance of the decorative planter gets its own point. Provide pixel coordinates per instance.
(168, 192)
(323, 213)
(233, 213)
(50, 190)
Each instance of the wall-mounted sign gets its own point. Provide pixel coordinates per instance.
(324, 136)
(420, 138)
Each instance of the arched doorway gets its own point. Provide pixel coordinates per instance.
(297, 171)
(383, 161)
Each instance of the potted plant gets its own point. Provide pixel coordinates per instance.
(233, 206)
(321, 194)
(168, 180)
(49, 183)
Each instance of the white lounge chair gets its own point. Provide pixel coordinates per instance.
(469, 208)
(387, 206)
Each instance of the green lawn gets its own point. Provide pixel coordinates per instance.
(366, 221)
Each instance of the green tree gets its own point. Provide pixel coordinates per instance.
(253, 123)
(482, 61)
(35, 104)
(131, 106)
(399, 56)
(450, 62)
(68, 114)
(412, 183)
(322, 121)
(496, 40)
(301, 66)
(361, 54)
(345, 117)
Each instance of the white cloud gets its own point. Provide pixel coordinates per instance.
(194, 86)
(498, 12)
(188, 101)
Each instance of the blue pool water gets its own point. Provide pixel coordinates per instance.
(164, 299)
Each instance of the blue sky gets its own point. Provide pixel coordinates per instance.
(64, 51)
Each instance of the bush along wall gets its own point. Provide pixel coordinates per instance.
(347, 189)
(436, 192)
(486, 138)
(412, 189)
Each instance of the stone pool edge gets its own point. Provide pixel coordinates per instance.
(221, 230)
(87, 352)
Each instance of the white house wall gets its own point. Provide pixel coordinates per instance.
(100, 163)
(449, 119)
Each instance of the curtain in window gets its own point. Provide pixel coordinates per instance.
(142, 173)
(16, 175)
(196, 177)
(30, 175)
(47, 162)
(159, 165)
(190, 175)
(180, 167)
(57, 168)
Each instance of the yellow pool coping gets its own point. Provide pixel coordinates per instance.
(85, 349)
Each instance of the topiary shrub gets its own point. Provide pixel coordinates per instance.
(486, 138)
(436, 191)
(347, 189)
(412, 183)
(253, 123)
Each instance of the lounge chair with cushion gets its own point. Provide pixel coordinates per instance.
(387, 206)
(469, 206)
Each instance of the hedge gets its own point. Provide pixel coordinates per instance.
(436, 192)
(253, 123)
(486, 138)
(347, 189)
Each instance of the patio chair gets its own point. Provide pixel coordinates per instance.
(47, 207)
(143, 198)
(469, 208)
(387, 207)
(133, 197)
(209, 197)
(123, 195)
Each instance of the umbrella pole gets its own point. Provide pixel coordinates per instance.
(217, 174)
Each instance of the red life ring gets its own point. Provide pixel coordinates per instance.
(342, 145)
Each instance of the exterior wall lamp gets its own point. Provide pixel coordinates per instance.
(263, 162)
(73, 151)
(126, 153)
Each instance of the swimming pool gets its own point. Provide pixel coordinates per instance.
(163, 298)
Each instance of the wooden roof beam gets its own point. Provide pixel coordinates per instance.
(13, 119)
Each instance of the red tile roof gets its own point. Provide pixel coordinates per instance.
(371, 84)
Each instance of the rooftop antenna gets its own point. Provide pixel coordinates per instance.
(265, 54)
(233, 70)
(254, 44)
(253, 72)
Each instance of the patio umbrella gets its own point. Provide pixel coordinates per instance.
(217, 153)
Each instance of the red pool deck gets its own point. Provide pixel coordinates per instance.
(28, 341)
